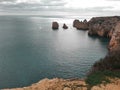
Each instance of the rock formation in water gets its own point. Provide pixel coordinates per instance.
(80, 25)
(55, 25)
(65, 26)
(103, 26)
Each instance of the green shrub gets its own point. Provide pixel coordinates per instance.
(110, 62)
(107, 67)
(101, 76)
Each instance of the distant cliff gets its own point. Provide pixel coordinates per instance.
(103, 26)
(106, 27)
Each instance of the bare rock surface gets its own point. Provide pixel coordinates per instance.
(56, 84)
(62, 84)
(115, 40)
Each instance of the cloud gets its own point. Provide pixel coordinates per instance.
(112, 0)
(7, 0)
(56, 6)
(18, 6)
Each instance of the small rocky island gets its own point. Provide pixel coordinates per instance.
(65, 26)
(107, 69)
(55, 25)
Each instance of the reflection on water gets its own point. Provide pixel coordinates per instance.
(30, 50)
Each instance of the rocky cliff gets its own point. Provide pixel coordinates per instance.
(106, 27)
(71, 84)
(56, 84)
(115, 40)
(103, 26)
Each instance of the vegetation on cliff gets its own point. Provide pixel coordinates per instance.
(104, 68)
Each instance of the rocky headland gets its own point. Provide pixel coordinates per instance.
(106, 27)
(98, 26)
(103, 26)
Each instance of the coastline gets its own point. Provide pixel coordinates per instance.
(68, 84)
(95, 28)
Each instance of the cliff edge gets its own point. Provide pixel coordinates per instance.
(103, 26)
(115, 39)
(77, 84)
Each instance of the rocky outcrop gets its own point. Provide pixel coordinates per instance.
(55, 25)
(75, 84)
(65, 26)
(106, 27)
(115, 40)
(114, 85)
(80, 25)
(56, 84)
(103, 26)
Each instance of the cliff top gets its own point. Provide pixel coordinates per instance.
(61, 84)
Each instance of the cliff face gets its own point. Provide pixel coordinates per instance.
(106, 27)
(103, 26)
(115, 40)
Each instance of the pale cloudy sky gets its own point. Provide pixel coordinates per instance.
(60, 7)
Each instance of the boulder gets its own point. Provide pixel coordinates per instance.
(55, 25)
(65, 26)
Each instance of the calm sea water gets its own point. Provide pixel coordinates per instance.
(30, 50)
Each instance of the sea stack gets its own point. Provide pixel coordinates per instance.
(55, 25)
(65, 26)
(81, 25)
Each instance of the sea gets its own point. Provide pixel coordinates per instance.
(31, 51)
